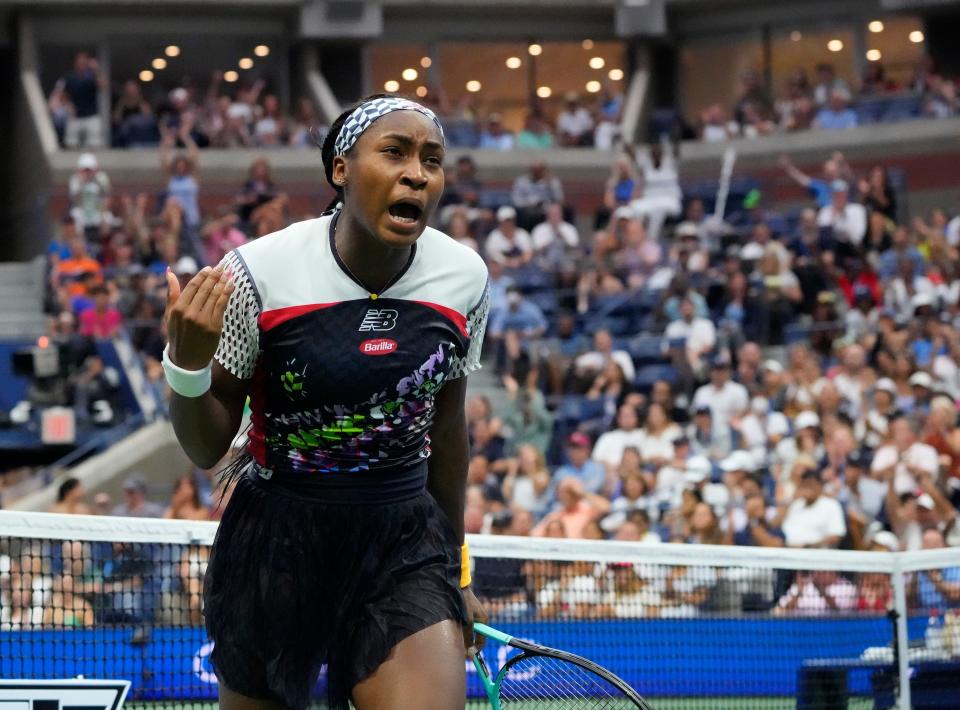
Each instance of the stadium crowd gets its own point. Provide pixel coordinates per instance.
(770, 379)
(248, 114)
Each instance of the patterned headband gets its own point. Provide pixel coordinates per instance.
(366, 113)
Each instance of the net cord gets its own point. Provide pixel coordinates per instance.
(59, 526)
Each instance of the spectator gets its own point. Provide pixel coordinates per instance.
(270, 128)
(904, 459)
(725, 398)
(759, 529)
(708, 437)
(813, 519)
(715, 125)
(936, 589)
(71, 498)
(182, 185)
(89, 194)
(185, 502)
(591, 363)
(134, 123)
(576, 508)
(536, 133)
(574, 124)
(526, 419)
(555, 242)
(508, 244)
(520, 316)
(846, 220)
(835, 168)
(495, 136)
(306, 130)
(84, 127)
(103, 321)
(623, 186)
(533, 192)
(661, 186)
(901, 247)
(818, 593)
(609, 449)
(827, 83)
(697, 335)
(659, 433)
(528, 484)
(75, 273)
(221, 235)
(877, 194)
(135, 503)
(580, 466)
(837, 115)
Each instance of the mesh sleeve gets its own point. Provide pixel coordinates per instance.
(476, 325)
(240, 339)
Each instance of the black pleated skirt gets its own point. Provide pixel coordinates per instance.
(295, 585)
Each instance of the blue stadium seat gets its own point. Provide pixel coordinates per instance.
(649, 374)
(901, 108)
(647, 350)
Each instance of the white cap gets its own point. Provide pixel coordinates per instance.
(760, 405)
(738, 461)
(179, 94)
(885, 384)
(921, 379)
(773, 366)
(698, 469)
(185, 265)
(623, 212)
(506, 212)
(921, 299)
(806, 419)
(887, 539)
(613, 522)
(87, 161)
(925, 501)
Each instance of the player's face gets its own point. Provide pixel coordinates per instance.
(394, 177)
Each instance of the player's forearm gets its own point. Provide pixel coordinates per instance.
(204, 426)
(449, 457)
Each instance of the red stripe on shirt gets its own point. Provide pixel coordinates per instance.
(271, 319)
(458, 319)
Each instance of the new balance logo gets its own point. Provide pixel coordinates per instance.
(379, 319)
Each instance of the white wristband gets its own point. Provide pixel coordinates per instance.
(186, 383)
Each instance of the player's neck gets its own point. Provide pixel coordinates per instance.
(369, 260)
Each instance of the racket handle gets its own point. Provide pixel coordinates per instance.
(492, 633)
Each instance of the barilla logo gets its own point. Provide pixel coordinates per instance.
(378, 346)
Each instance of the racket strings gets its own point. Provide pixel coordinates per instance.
(565, 685)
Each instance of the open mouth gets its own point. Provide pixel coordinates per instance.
(405, 212)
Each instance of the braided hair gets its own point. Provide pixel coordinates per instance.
(327, 152)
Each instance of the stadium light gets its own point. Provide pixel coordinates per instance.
(544, 92)
(873, 55)
(796, 36)
(146, 75)
(159, 63)
(916, 36)
(473, 86)
(172, 50)
(535, 50)
(875, 26)
(421, 91)
(261, 50)
(514, 62)
(230, 76)
(409, 74)
(426, 62)
(391, 86)
(597, 63)
(593, 86)
(835, 45)
(615, 74)
(587, 44)
(245, 63)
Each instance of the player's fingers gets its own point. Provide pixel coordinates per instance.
(204, 290)
(173, 289)
(220, 305)
(190, 290)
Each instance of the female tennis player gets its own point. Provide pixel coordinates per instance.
(352, 334)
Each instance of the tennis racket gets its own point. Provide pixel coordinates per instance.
(540, 677)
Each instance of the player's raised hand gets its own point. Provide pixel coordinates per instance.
(195, 316)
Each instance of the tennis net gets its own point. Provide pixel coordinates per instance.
(688, 626)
